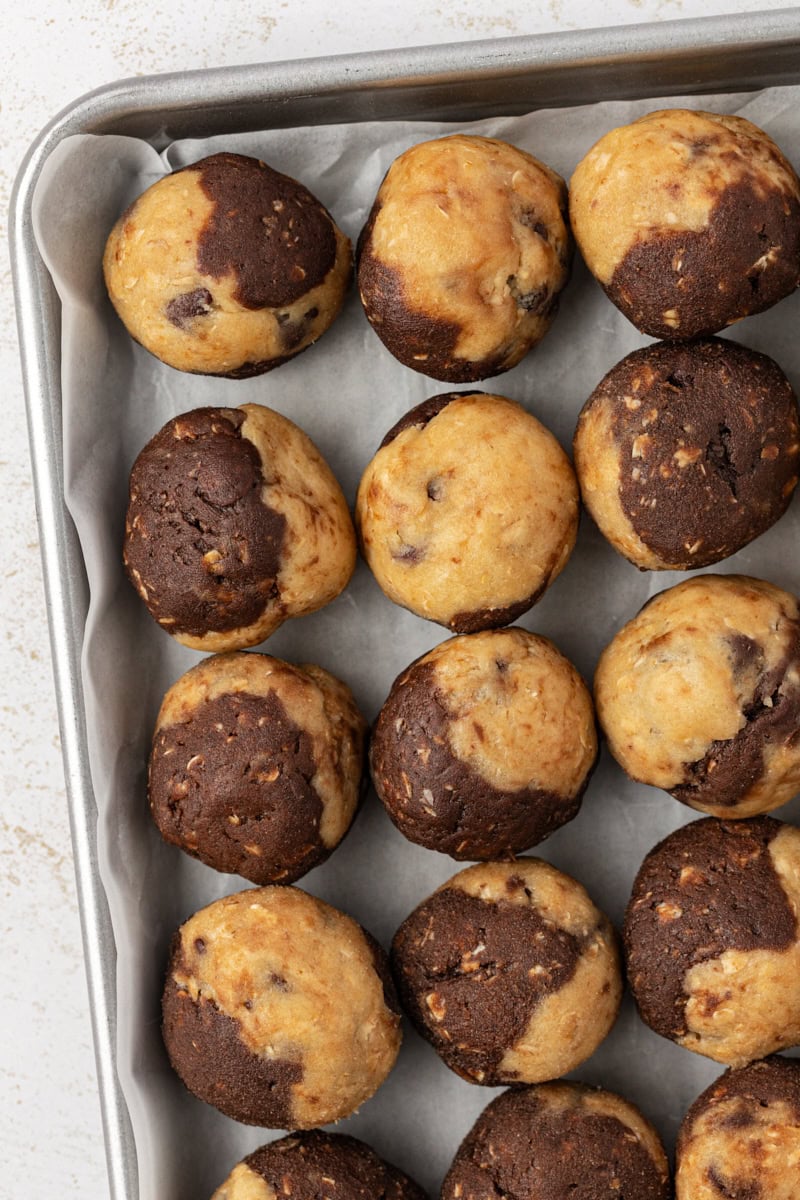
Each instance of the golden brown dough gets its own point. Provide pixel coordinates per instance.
(227, 267)
(689, 221)
(317, 1166)
(741, 1137)
(685, 453)
(279, 1009)
(699, 694)
(485, 745)
(468, 511)
(464, 255)
(712, 939)
(557, 1141)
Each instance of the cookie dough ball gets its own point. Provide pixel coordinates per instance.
(741, 1138)
(227, 267)
(468, 511)
(311, 1165)
(712, 939)
(279, 1010)
(235, 523)
(685, 453)
(700, 695)
(256, 765)
(485, 745)
(510, 972)
(689, 221)
(463, 257)
(559, 1141)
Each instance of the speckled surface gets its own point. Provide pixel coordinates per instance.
(50, 1133)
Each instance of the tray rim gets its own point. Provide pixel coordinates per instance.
(147, 102)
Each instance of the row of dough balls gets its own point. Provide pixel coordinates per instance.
(486, 744)
(236, 523)
(688, 220)
(484, 747)
(469, 509)
(283, 1012)
(741, 1138)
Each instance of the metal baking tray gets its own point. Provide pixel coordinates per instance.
(456, 82)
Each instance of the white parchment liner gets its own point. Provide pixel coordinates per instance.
(345, 392)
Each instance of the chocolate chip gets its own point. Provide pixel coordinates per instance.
(408, 554)
(183, 309)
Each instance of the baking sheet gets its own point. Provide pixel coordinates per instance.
(346, 392)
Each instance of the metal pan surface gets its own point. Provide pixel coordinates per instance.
(457, 82)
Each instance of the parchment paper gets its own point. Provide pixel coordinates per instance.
(346, 392)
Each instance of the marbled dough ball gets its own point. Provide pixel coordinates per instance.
(686, 452)
(485, 745)
(312, 1165)
(279, 1010)
(468, 511)
(559, 1141)
(741, 1137)
(227, 267)
(699, 694)
(689, 221)
(463, 257)
(712, 938)
(510, 972)
(235, 523)
(256, 765)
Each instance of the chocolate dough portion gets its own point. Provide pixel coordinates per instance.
(417, 339)
(707, 888)
(730, 768)
(522, 1149)
(212, 1060)
(773, 1080)
(745, 225)
(234, 788)
(437, 800)
(419, 416)
(470, 974)
(199, 539)
(708, 446)
(307, 1166)
(255, 206)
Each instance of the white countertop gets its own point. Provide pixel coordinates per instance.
(50, 1134)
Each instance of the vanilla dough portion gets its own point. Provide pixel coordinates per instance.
(235, 523)
(689, 220)
(699, 694)
(227, 267)
(468, 511)
(741, 1137)
(279, 1009)
(463, 257)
